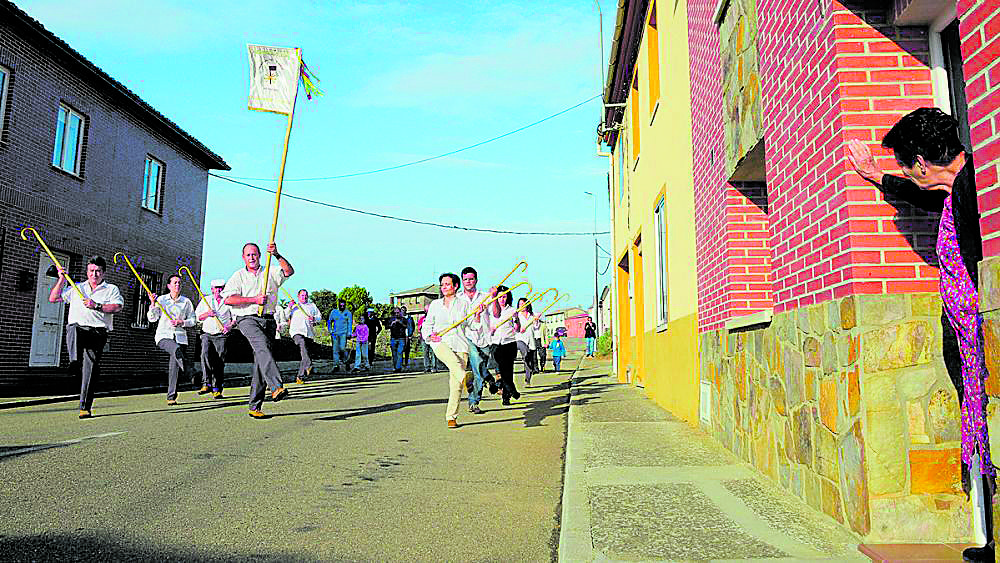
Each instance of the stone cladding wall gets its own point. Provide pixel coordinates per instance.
(847, 404)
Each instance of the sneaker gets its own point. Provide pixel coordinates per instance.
(204, 390)
(476, 410)
(453, 424)
(257, 414)
(299, 380)
(217, 395)
(279, 394)
(171, 402)
(85, 414)
(516, 395)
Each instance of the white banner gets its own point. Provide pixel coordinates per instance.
(274, 78)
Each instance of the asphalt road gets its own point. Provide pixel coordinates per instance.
(350, 469)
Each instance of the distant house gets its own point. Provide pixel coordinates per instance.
(564, 318)
(95, 170)
(415, 299)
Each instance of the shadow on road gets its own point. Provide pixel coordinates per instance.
(104, 547)
(363, 411)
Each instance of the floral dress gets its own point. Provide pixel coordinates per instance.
(961, 305)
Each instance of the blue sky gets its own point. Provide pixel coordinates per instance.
(403, 81)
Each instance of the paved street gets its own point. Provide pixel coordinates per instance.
(350, 469)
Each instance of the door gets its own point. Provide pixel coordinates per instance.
(623, 331)
(639, 315)
(47, 326)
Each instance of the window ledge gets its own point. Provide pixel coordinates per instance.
(153, 211)
(760, 317)
(66, 172)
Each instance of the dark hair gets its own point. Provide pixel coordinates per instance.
(172, 276)
(501, 289)
(301, 290)
(99, 262)
(253, 244)
(928, 132)
(454, 279)
(470, 270)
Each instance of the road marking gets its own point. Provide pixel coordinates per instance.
(57, 444)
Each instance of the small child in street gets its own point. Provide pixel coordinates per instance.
(558, 350)
(360, 345)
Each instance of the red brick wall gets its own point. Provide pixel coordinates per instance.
(96, 214)
(979, 28)
(830, 73)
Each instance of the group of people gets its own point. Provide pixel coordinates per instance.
(364, 331)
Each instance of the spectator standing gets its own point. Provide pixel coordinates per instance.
(410, 329)
(361, 345)
(339, 323)
(590, 333)
(397, 339)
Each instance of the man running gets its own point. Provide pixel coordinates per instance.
(478, 336)
(302, 316)
(216, 320)
(170, 334)
(245, 293)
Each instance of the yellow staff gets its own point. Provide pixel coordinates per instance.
(524, 268)
(487, 302)
(537, 297)
(142, 283)
(294, 303)
(542, 312)
(195, 284)
(52, 257)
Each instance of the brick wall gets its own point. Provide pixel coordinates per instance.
(979, 28)
(831, 72)
(98, 213)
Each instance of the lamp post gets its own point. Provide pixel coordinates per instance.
(597, 305)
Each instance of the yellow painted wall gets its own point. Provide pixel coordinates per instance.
(668, 352)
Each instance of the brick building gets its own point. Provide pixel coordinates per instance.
(819, 340)
(415, 299)
(95, 170)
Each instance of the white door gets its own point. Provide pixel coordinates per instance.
(47, 327)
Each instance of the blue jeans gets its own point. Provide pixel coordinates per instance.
(397, 345)
(478, 360)
(591, 341)
(339, 344)
(557, 360)
(360, 354)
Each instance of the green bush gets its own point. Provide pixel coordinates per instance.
(604, 344)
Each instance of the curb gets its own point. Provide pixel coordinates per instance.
(575, 542)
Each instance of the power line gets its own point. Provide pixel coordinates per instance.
(606, 266)
(408, 220)
(602, 248)
(422, 160)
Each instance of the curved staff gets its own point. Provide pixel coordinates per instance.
(52, 257)
(487, 302)
(142, 283)
(195, 284)
(523, 269)
(294, 304)
(537, 297)
(542, 312)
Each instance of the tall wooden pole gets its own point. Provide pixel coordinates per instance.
(281, 179)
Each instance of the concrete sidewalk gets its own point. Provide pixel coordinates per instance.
(641, 485)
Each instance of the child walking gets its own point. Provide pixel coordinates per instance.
(558, 350)
(360, 345)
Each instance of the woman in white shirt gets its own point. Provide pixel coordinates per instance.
(503, 327)
(525, 338)
(452, 348)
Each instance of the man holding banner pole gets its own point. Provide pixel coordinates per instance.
(245, 292)
(90, 319)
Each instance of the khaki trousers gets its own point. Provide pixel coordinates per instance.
(455, 362)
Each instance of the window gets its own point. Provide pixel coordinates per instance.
(140, 301)
(635, 119)
(653, 59)
(660, 219)
(69, 140)
(4, 84)
(152, 184)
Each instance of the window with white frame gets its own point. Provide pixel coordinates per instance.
(140, 302)
(4, 85)
(660, 220)
(152, 185)
(69, 140)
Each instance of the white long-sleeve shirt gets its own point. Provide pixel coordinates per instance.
(440, 317)
(181, 309)
(104, 294)
(477, 332)
(503, 327)
(223, 312)
(298, 323)
(528, 335)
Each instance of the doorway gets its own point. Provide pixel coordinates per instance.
(47, 324)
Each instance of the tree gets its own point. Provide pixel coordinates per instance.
(358, 299)
(325, 301)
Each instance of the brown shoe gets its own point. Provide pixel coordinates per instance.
(279, 394)
(257, 414)
(217, 395)
(85, 414)
(452, 423)
(299, 381)
(171, 402)
(204, 390)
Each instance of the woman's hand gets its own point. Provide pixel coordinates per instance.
(434, 337)
(860, 157)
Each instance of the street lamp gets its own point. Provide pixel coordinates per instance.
(597, 306)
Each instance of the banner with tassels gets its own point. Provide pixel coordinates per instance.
(274, 73)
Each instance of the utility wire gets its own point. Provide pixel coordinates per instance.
(602, 248)
(422, 160)
(606, 266)
(407, 220)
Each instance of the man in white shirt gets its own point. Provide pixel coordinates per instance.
(245, 293)
(479, 340)
(302, 316)
(170, 334)
(216, 319)
(88, 323)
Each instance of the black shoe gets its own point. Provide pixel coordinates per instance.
(979, 554)
(475, 409)
(516, 395)
(505, 402)
(493, 387)
(336, 369)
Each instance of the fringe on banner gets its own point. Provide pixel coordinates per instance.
(309, 80)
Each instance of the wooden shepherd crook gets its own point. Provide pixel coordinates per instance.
(281, 179)
(52, 257)
(142, 283)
